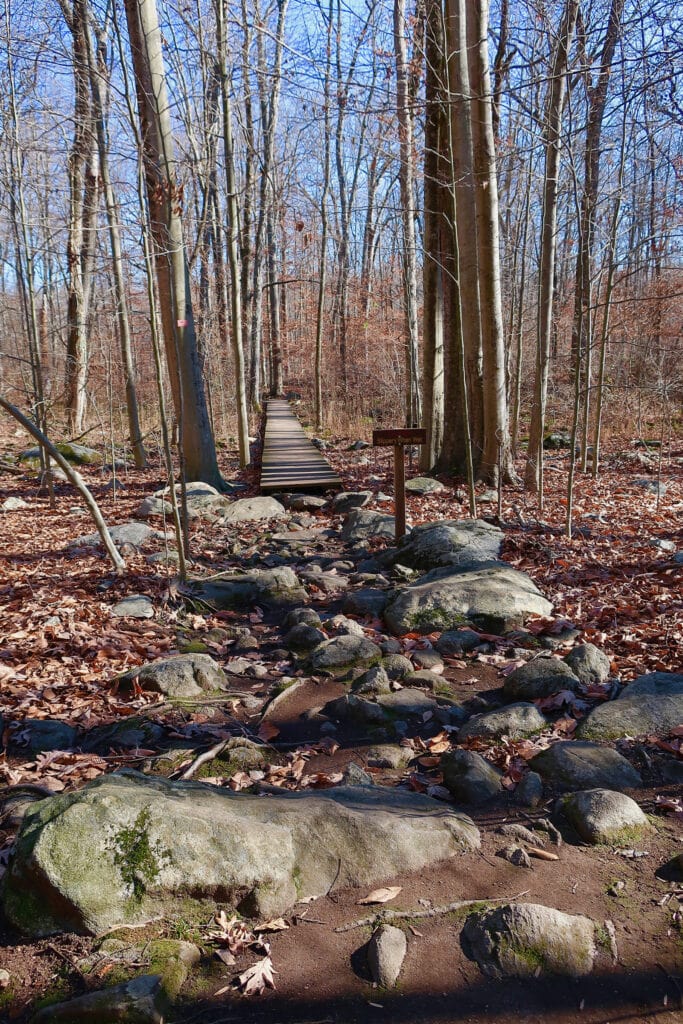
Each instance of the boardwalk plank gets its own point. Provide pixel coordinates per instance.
(290, 462)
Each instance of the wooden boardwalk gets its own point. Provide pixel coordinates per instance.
(290, 462)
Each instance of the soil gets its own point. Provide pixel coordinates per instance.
(321, 975)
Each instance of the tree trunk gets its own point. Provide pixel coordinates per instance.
(165, 204)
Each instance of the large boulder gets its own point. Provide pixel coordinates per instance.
(514, 721)
(572, 764)
(273, 588)
(185, 675)
(343, 652)
(496, 599)
(539, 678)
(465, 544)
(252, 509)
(125, 847)
(603, 816)
(653, 703)
(523, 940)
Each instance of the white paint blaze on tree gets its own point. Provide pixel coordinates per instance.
(164, 199)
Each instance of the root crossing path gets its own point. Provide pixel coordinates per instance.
(290, 461)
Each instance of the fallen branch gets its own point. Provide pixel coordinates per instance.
(398, 915)
(230, 744)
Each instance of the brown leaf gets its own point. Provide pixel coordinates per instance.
(276, 924)
(390, 892)
(257, 978)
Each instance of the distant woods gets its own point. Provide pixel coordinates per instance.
(429, 212)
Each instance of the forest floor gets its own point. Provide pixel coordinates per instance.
(616, 581)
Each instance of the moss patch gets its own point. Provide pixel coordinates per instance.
(137, 862)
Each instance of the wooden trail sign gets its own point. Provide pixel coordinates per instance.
(397, 439)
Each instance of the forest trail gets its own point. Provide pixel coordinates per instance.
(290, 460)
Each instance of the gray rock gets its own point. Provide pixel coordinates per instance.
(355, 710)
(13, 504)
(529, 791)
(428, 659)
(424, 677)
(424, 485)
(466, 544)
(573, 764)
(297, 615)
(407, 703)
(657, 487)
(515, 720)
(38, 734)
(396, 666)
(347, 501)
(386, 952)
(559, 439)
(5, 978)
(354, 775)
(342, 652)
(362, 524)
(342, 626)
(455, 641)
(126, 847)
(305, 502)
(469, 777)
(589, 663)
(651, 704)
(246, 510)
(498, 599)
(603, 816)
(369, 601)
(516, 855)
(539, 678)
(303, 637)
(374, 681)
(273, 588)
(141, 1000)
(389, 755)
(134, 606)
(522, 940)
(128, 733)
(184, 675)
(153, 506)
(133, 534)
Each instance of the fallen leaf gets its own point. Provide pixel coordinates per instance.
(267, 731)
(381, 895)
(276, 924)
(257, 978)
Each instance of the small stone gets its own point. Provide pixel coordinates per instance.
(297, 615)
(356, 776)
(389, 755)
(374, 681)
(428, 659)
(343, 652)
(360, 525)
(367, 602)
(344, 627)
(517, 856)
(653, 486)
(515, 720)
(573, 764)
(305, 502)
(469, 777)
(539, 678)
(431, 680)
(303, 637)
(140, 1000)
(455, 641)
(135, 606)
(254, 509)
(386, 952)
(424, 485)
(529, 791)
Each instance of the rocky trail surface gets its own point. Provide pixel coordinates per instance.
(331, 779)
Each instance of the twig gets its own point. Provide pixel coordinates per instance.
(397, 915)
(208, 755)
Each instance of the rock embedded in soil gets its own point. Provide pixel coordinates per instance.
(589, 663)
(466, 544)
(407, 703)
(367, 602)
(497, 599)
(397, 666)
(539, 678)
(456, 641)
(573, 764)
(651, 704)
(529, 792)
(423, 677)
(184, 675)
(374, 681)
(141, 1000)
(40, 734)
(343, 652)
(424, 485)
(270, 588)
(362, 524)
(389, 755)
(303, 637)
(246, 510)
(470, 778)
(604, 816)
(298, 615)
(515, 721)
(427, 659)
(305, 502)
(133, 534)
(347, 501)
(386, 952)
(126, 848)
(134, 606)
(523, 940)
(517, 856)
(125, 734)
(13, 504)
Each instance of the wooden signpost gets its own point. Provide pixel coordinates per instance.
(397, 439)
